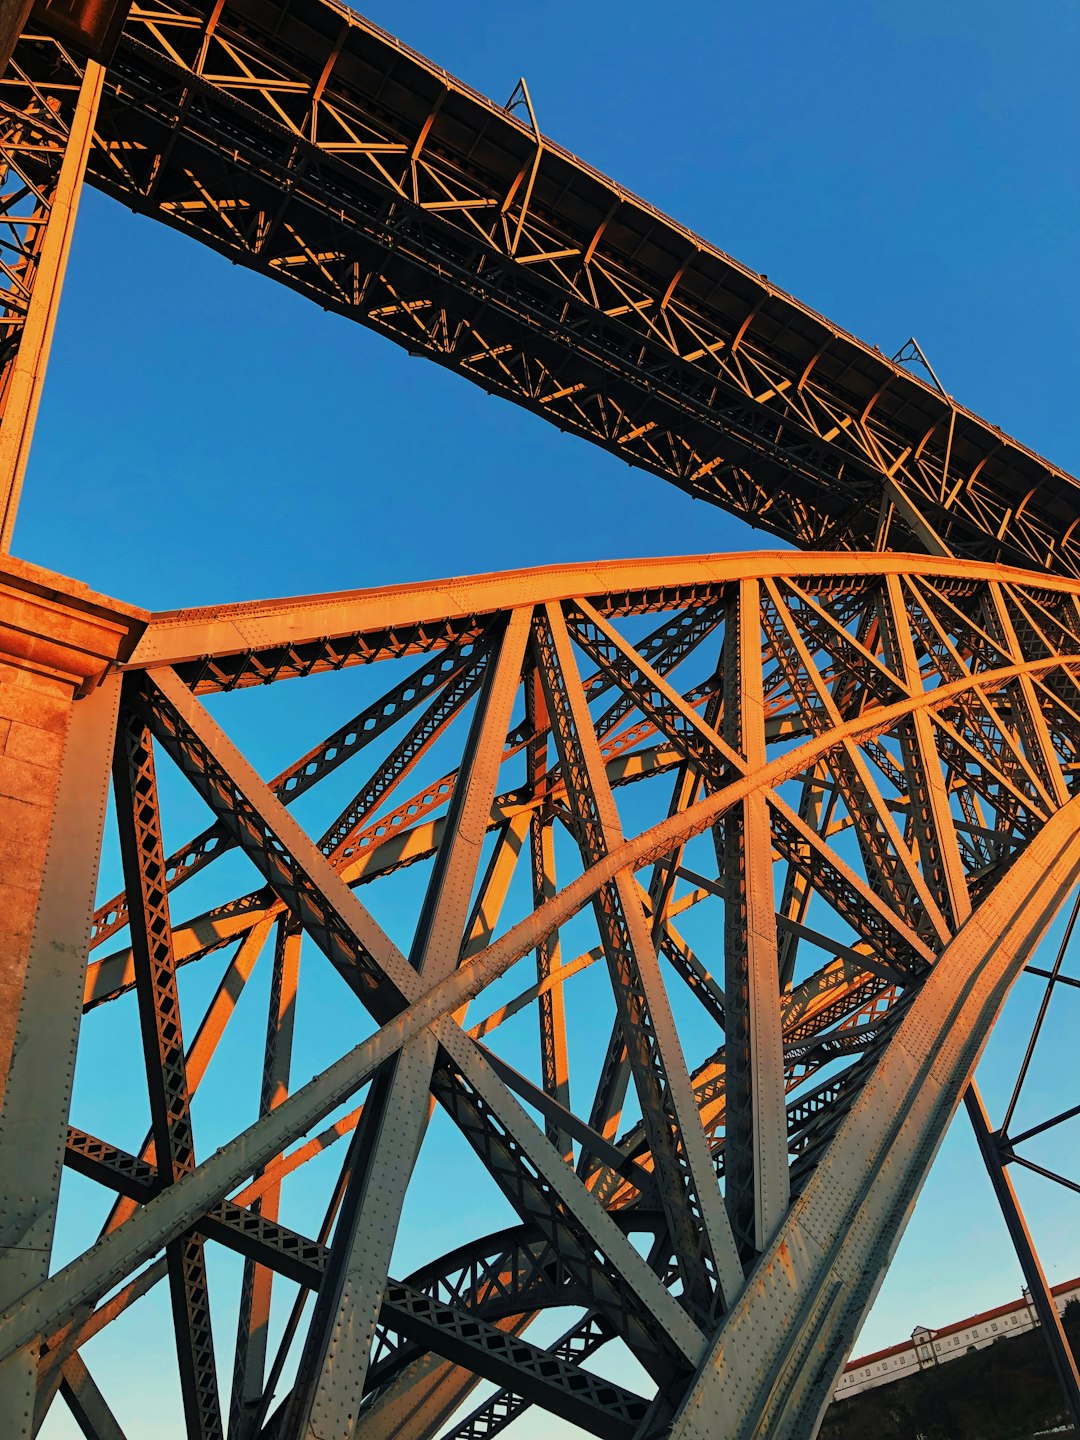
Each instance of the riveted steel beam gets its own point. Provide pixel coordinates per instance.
(701, 1231)
(45, 142)
(139, 825)
(901, 777)
(333, 1366)
(451, 226)
(776, 1359)
(756, 1159)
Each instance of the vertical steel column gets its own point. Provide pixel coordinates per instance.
(33, 1122)
(333, 1364)
(780, 1350)
(929, 796)
(24, 371)
(684, 1171)
(254, 1320)
(138, 821)
(757, 1179)
(551, 1008)
(995, 1158)
(1061, 1356)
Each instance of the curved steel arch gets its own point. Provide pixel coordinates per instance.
(869, 754)
(874, 751)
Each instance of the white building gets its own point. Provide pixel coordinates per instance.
(935, 1347)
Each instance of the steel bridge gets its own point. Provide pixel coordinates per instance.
(827, 800)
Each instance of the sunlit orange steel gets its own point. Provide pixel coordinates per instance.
(824, 803)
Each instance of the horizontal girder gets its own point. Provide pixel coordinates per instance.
(302, 141)
(800, 786)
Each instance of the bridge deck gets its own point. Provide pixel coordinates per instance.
(305, 142)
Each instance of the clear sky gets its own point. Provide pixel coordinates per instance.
(906, 169)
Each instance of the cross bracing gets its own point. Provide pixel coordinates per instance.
(301, 140)
(780, 831)
(912, 751)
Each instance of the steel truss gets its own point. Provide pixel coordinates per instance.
(46, 127)
(798, 822)
(301, 140)
(821, 814)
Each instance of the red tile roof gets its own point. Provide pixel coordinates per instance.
(958, 1325)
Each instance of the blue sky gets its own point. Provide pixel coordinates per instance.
(207, 436)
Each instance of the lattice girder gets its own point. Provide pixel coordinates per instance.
(815, 873)
(302, 141)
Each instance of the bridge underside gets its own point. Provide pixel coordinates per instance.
(775, 833)
(302, 141)
(643, 922)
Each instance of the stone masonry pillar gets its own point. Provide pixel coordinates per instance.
(59, 647)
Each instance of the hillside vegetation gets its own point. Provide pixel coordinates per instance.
(1005, 1392)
